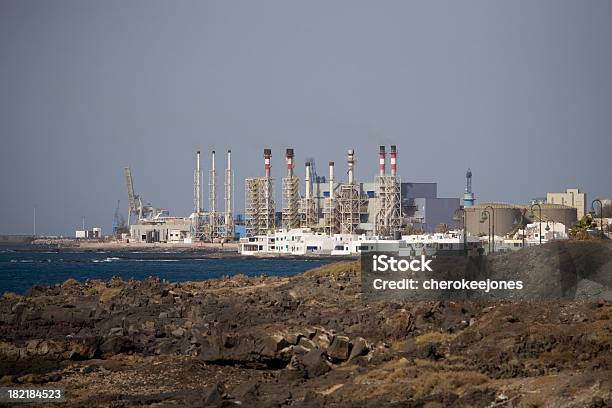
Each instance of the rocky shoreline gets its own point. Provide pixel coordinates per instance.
(308, 340)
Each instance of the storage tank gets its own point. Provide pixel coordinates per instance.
(505, 219)
(553, 212)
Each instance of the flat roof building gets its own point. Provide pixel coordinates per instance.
(572, 197)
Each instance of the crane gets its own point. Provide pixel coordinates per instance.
(136, 207)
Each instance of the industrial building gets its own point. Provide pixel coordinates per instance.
(571, 197)
(328, 206)
(151, 224)
(94, 233)
(423, 208)
(331, 206)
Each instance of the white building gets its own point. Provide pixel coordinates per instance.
(302, 241)
(94, 233)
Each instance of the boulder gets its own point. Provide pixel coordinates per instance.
(315, 363)
(340, 349)
(359, 347)
(273, 344)
(306, 343)
(212, 395)
(322, 340)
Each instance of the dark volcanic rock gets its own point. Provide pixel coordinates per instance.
(309, 340)
(340, 348)
(315, 363)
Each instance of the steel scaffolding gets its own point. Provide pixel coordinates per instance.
(309, 217)
(291, 202)
(350, 208)
(228, 221)
(388, 219)
(259, 217)
(330, 216)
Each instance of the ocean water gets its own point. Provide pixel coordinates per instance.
(21, 268)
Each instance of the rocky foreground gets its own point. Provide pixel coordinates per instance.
(310, 340)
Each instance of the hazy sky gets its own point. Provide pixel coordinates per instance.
(520, 91)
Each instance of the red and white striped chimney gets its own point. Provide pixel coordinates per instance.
(381, 161)
(289, 157)
(267, 154)
(393, 160)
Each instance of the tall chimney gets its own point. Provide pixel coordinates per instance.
(331, 179)
(350, 160)
(228, 190)
(267, 154)
(393, 160)
(381, 161)
(289, 156)
(197, 190)
(307, 181)
(213, 186)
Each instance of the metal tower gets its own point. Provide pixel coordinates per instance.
(350, 202)
(388, 218)
(330, 206)
(309, 216)
(229, 197)
(259, 217)
(468, 196)
(291, 196)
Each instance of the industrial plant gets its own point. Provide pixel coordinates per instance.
(329, 206)
(331, 215)
(326, 205)
(153, 224)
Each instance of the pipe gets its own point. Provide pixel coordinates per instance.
(198, 193)
(289, 156)
(267, 155)
(331, 180)
(393, 160)
(350, 160)
(381, 161)
(213, 187)
(228, 190)
(307, 181)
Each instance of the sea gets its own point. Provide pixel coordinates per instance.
(21, 267)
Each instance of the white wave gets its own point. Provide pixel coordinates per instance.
(109, 259)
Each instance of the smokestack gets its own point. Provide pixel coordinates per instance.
(198, 191)
(267, 154)
(331, 179)
(350, 160)
(393, 160)
(228, 190)
(307, 181)
(213, 186)
(381, 161)
(289, 156)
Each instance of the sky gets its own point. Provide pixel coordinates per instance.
(519, 91)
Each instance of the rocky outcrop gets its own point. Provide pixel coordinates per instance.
(310, 340)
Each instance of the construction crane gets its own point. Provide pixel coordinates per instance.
(136, 207)
(134, 202)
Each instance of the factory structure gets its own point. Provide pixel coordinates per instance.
(333, 206)
(150, 224)
(341, 215)
(328, 206)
